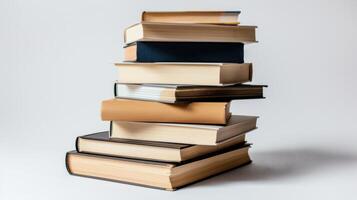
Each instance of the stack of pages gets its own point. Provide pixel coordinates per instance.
(170, 119)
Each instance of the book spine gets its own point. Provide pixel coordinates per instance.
(110, 129)
(115, 89)
(67, 163)
(77, 144)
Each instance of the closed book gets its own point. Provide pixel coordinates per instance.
(164, 175)
(187, 93)
(183, 133)
(100, 143)
(178, 32)
(200, 17)
(213, 74)
(218, 52)
(146, 111)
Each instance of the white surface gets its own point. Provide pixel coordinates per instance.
(304, 147)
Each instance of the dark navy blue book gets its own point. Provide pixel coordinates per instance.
(220, 52)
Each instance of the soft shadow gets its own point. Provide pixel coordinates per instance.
(285, 164)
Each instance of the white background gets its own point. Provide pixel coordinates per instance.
(56, 66)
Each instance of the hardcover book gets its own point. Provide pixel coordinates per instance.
(217, 52)
(212, 74)
(187, 93)
(146, 111)
(169, 176)
(200, 17)
(183, 133)
(100, 143)
(178, 32)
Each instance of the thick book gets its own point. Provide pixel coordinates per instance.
(218, 52)
(163, 175)
(176, 32)
(146, 111)
(213, 74)
(100, 143)
(183, 133)
(198, 17)
(187, 93)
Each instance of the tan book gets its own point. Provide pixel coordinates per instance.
(213, 74)
(183, 133)
(147, 111)
(200, 17)
(162, 175)
(100, 143)
(178, 32)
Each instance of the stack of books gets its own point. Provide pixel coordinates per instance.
(170, 120)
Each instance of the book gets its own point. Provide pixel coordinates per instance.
(143, 51)
(201, 17)
(183, 133)
(187, 93)
(169, 176)
(146, 111)
(176, 32)
(100, 143)
(213, 74)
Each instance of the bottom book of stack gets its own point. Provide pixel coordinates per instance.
(164, 175)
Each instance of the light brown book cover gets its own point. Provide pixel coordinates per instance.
(101, 144)
(200, 17)
(208, 74)
(180, 32)
(164, 175)
(199, 134)
(146, 111)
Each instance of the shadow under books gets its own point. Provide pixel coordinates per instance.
(284, 164)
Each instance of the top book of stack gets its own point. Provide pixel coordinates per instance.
(193, 17)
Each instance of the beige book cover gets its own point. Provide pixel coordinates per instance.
(146, 111)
